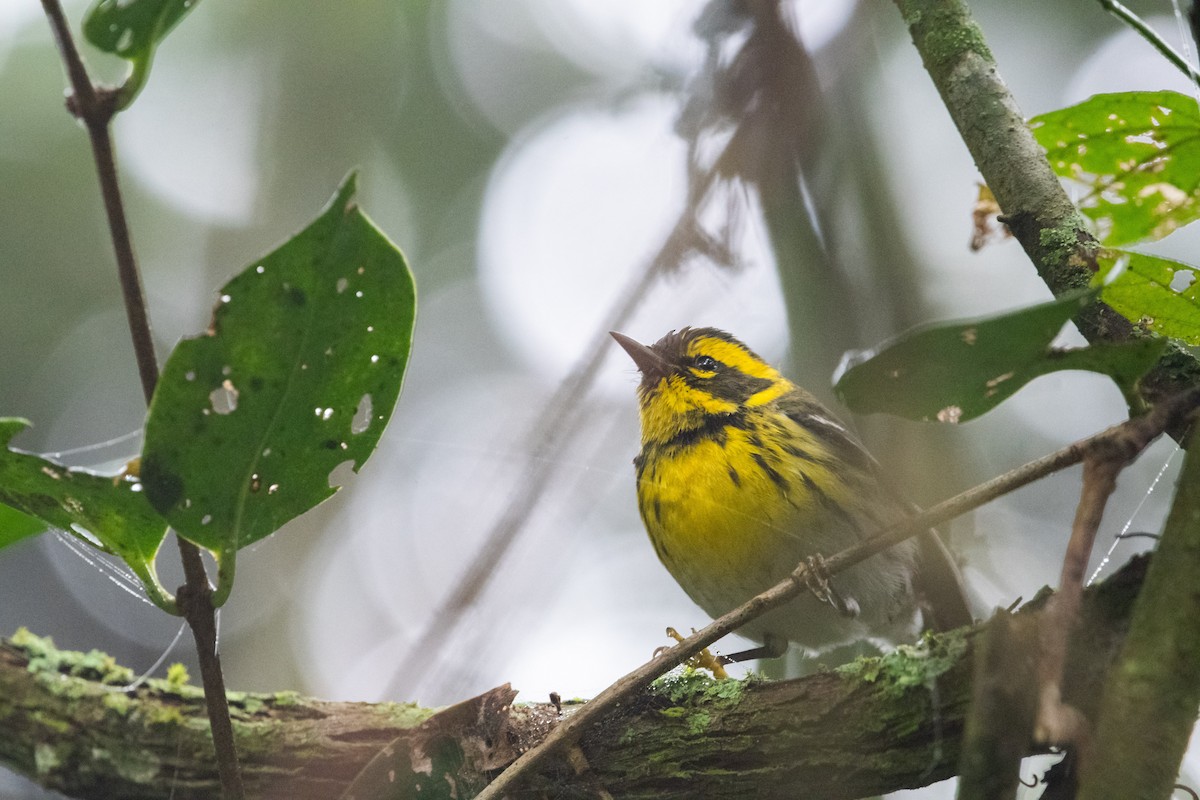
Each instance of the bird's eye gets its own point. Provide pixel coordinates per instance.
(706, 363)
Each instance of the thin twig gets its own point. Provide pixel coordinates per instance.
(95, 109)
(1143, 29)
(1059, 723)
(1145, 428)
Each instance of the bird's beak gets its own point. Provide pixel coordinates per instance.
(652, 366)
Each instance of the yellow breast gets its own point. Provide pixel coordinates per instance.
(731, 513)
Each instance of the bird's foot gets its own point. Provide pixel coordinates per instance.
(817, 580)
(702, 660)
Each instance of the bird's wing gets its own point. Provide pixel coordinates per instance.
(938, 582)
(806, 412)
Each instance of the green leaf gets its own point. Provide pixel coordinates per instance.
(1138, 152)
(132, 29)
(956, 371)
(15, 526)
(109, 513)
(1160, 295)
(297, 374)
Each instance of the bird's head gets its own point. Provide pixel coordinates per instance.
(693, 374)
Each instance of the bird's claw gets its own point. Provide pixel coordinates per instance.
(817, 580)
(702, 660)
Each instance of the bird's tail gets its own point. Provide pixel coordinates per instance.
(939, 586)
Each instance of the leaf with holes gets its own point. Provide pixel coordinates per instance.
(1158, 294)
(15, 526)
(956, 371)
(132, 29)
(109, 513)
(297, 375)
(1139, 155)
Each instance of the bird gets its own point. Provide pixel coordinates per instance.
(743, 475)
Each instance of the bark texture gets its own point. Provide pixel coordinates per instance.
(874, 726)
(1035, 207)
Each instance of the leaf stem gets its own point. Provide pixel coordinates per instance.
(1144, 30)
(154, 589)
(95, 108)
(226, 570)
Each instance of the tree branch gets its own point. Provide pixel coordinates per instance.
(1036, 208)
(1150, 699)
(874, 726)
(1139, 25)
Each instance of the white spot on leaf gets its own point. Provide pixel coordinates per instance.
(950, 414)
(85, 534)
(224, 398)
(362, 415)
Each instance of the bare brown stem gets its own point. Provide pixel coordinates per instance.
(95, 109)
(1057, 722)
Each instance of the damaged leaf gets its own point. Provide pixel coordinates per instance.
(250, 419)
(956, 371)
(1139, 155)
(1158, 294)
(109, 513)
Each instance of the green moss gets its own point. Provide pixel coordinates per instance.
(408, 715)
(253, 704)
(45, 758)
(164, 715)
(691, 686)
(130, 763)
(178, 688)
(943, 32)
(177, 676)
(1060, 252)
(51, 722)
(45, 658)
(117, 703)
(909, 666)
(694, 697)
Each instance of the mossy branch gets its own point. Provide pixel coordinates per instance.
(1036, 209)
(870, 728)
(1152, 694)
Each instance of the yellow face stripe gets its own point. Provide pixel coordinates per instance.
(734, 356)
(737, 357)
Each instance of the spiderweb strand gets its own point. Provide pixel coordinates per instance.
(1125, 530)
(153, 667)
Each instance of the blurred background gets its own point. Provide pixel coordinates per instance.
(552, 169)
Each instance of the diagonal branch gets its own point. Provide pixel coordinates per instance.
(1144, 429)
